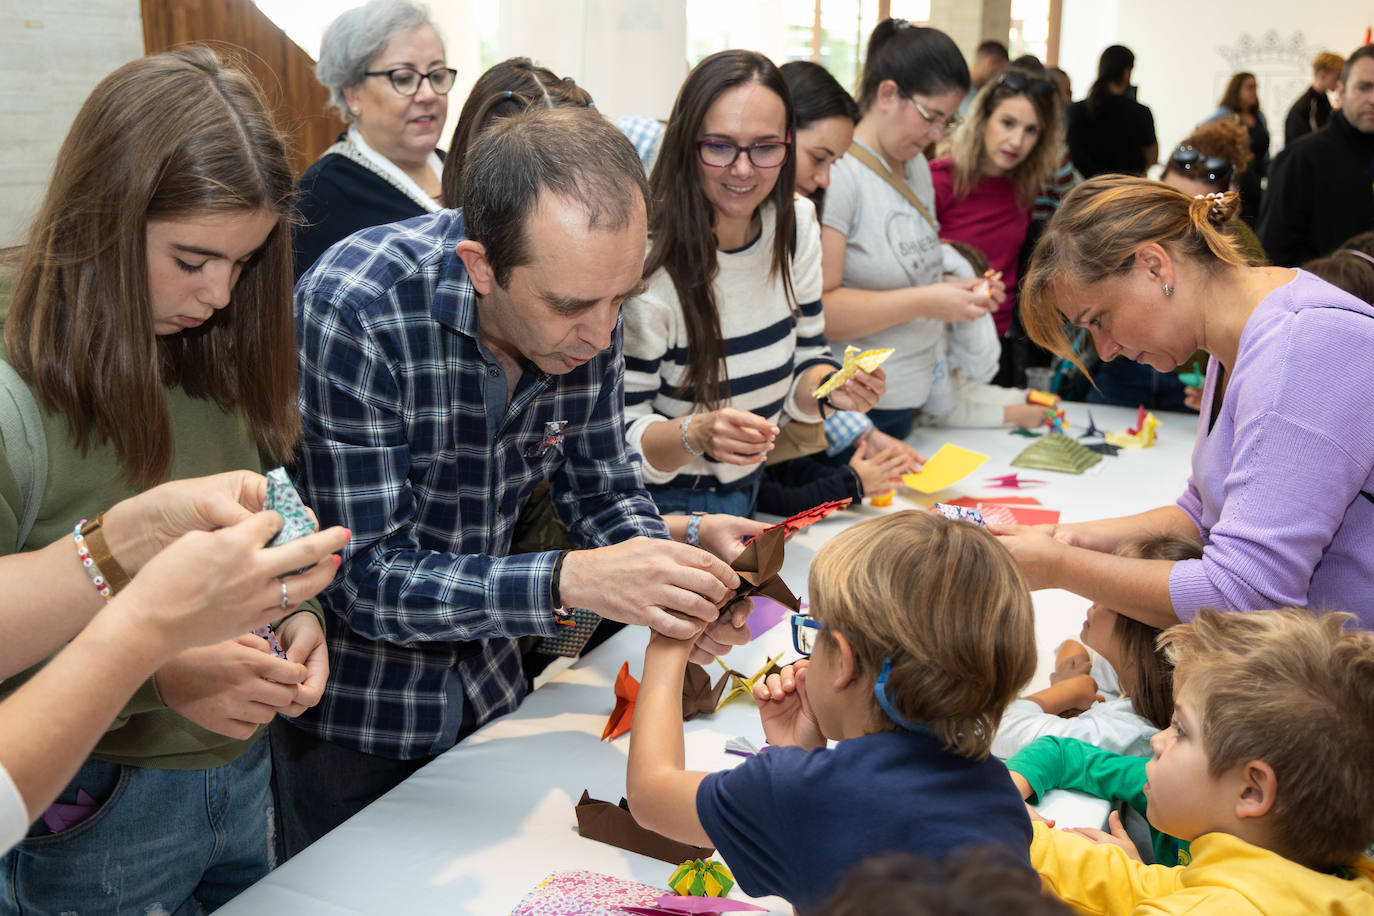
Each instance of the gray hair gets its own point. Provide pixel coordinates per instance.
(357, 36)
(573, 153)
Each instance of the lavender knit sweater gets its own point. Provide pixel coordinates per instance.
(1276, 483)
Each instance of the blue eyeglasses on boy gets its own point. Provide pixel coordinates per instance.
(805, 631)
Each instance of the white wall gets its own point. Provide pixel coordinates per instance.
(1185, 51)
(52, 53)
(631, 55)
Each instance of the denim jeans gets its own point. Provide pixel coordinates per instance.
(161, 842)
(731, 499)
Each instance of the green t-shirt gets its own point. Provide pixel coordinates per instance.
(206, 440)
(1051, 762)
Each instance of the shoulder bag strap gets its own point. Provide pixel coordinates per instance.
(26, 447)
(901, 187)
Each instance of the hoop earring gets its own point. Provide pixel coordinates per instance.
(1168, 290)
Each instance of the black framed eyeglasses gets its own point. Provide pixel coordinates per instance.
(721, 154)
(1190, 160)
(406, 80)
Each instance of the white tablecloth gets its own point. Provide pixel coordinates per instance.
(476, 829)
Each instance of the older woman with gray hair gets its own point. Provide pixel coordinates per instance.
(384, 66)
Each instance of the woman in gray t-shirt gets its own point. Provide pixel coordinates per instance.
(882, 267)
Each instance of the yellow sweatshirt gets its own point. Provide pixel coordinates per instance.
(1227, 877)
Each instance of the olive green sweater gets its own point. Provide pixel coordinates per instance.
(207, 441)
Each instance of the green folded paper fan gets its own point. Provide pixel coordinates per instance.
(1056, 453)
(701, 878)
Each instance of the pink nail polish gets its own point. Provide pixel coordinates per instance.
(337, 560)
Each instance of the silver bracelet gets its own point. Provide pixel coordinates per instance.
(687, 446)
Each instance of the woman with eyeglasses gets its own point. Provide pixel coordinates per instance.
(883, 264)
(383, 64)
(1240, 103)
(728, 335)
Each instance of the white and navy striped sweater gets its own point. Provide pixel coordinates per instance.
(767, 348)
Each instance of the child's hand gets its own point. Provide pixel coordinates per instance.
(1070, 660)
(878, 441)
(879, 470)
(1192, 397)
(1068, 697)
(786, 713)
(1037, 816)
(1117, 837)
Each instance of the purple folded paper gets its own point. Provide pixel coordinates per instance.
(60, 817)
(766, 614)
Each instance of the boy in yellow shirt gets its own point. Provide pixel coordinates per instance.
(1268, 768)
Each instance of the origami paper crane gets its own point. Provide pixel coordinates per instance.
(698, 694)
(758, 565)
(701, 878)
(1194, 379)
(794, 523)
(854, 360)
(744, 686)
(1011, 482)
(1056, 453)
(1092, 432)
(1141, 437)
(1104, 448)
(985, 288)
(622, 717)
(613, 824)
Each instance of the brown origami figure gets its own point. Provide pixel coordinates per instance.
(613, 824)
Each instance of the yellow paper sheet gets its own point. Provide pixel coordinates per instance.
(949, 465)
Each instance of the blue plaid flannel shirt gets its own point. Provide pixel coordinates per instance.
(409, 442)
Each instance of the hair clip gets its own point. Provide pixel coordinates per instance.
(1215, 199)
(900, 24)
(510, 94)
(1356, 253)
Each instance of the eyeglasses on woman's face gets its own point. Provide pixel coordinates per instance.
(935, 120)
(722, 154)
(406, 80)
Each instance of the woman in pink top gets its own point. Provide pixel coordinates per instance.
(998, 162)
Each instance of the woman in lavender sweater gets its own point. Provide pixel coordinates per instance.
(1282, 489)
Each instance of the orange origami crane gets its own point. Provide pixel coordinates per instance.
(626, 692)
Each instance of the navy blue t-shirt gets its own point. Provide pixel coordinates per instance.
(792, 822)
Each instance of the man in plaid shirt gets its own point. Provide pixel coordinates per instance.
(449, 363)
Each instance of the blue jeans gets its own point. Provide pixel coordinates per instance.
(732, 499)
(161, 841)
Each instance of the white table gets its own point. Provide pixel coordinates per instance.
(477, 828)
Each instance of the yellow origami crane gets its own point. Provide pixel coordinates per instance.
(1142, 439)
(741, 685)
(854, 360)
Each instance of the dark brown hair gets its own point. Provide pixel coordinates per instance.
(682, 220)
(510, 87)
(1096, 233)
(918, 59)
(572, 153)
(1230, 98)
(1294, 689)
(947, 605)
(1347, 269)
(1147, 677)
(170, 136)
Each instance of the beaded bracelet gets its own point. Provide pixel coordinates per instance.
(687, 446)
(88, 563)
